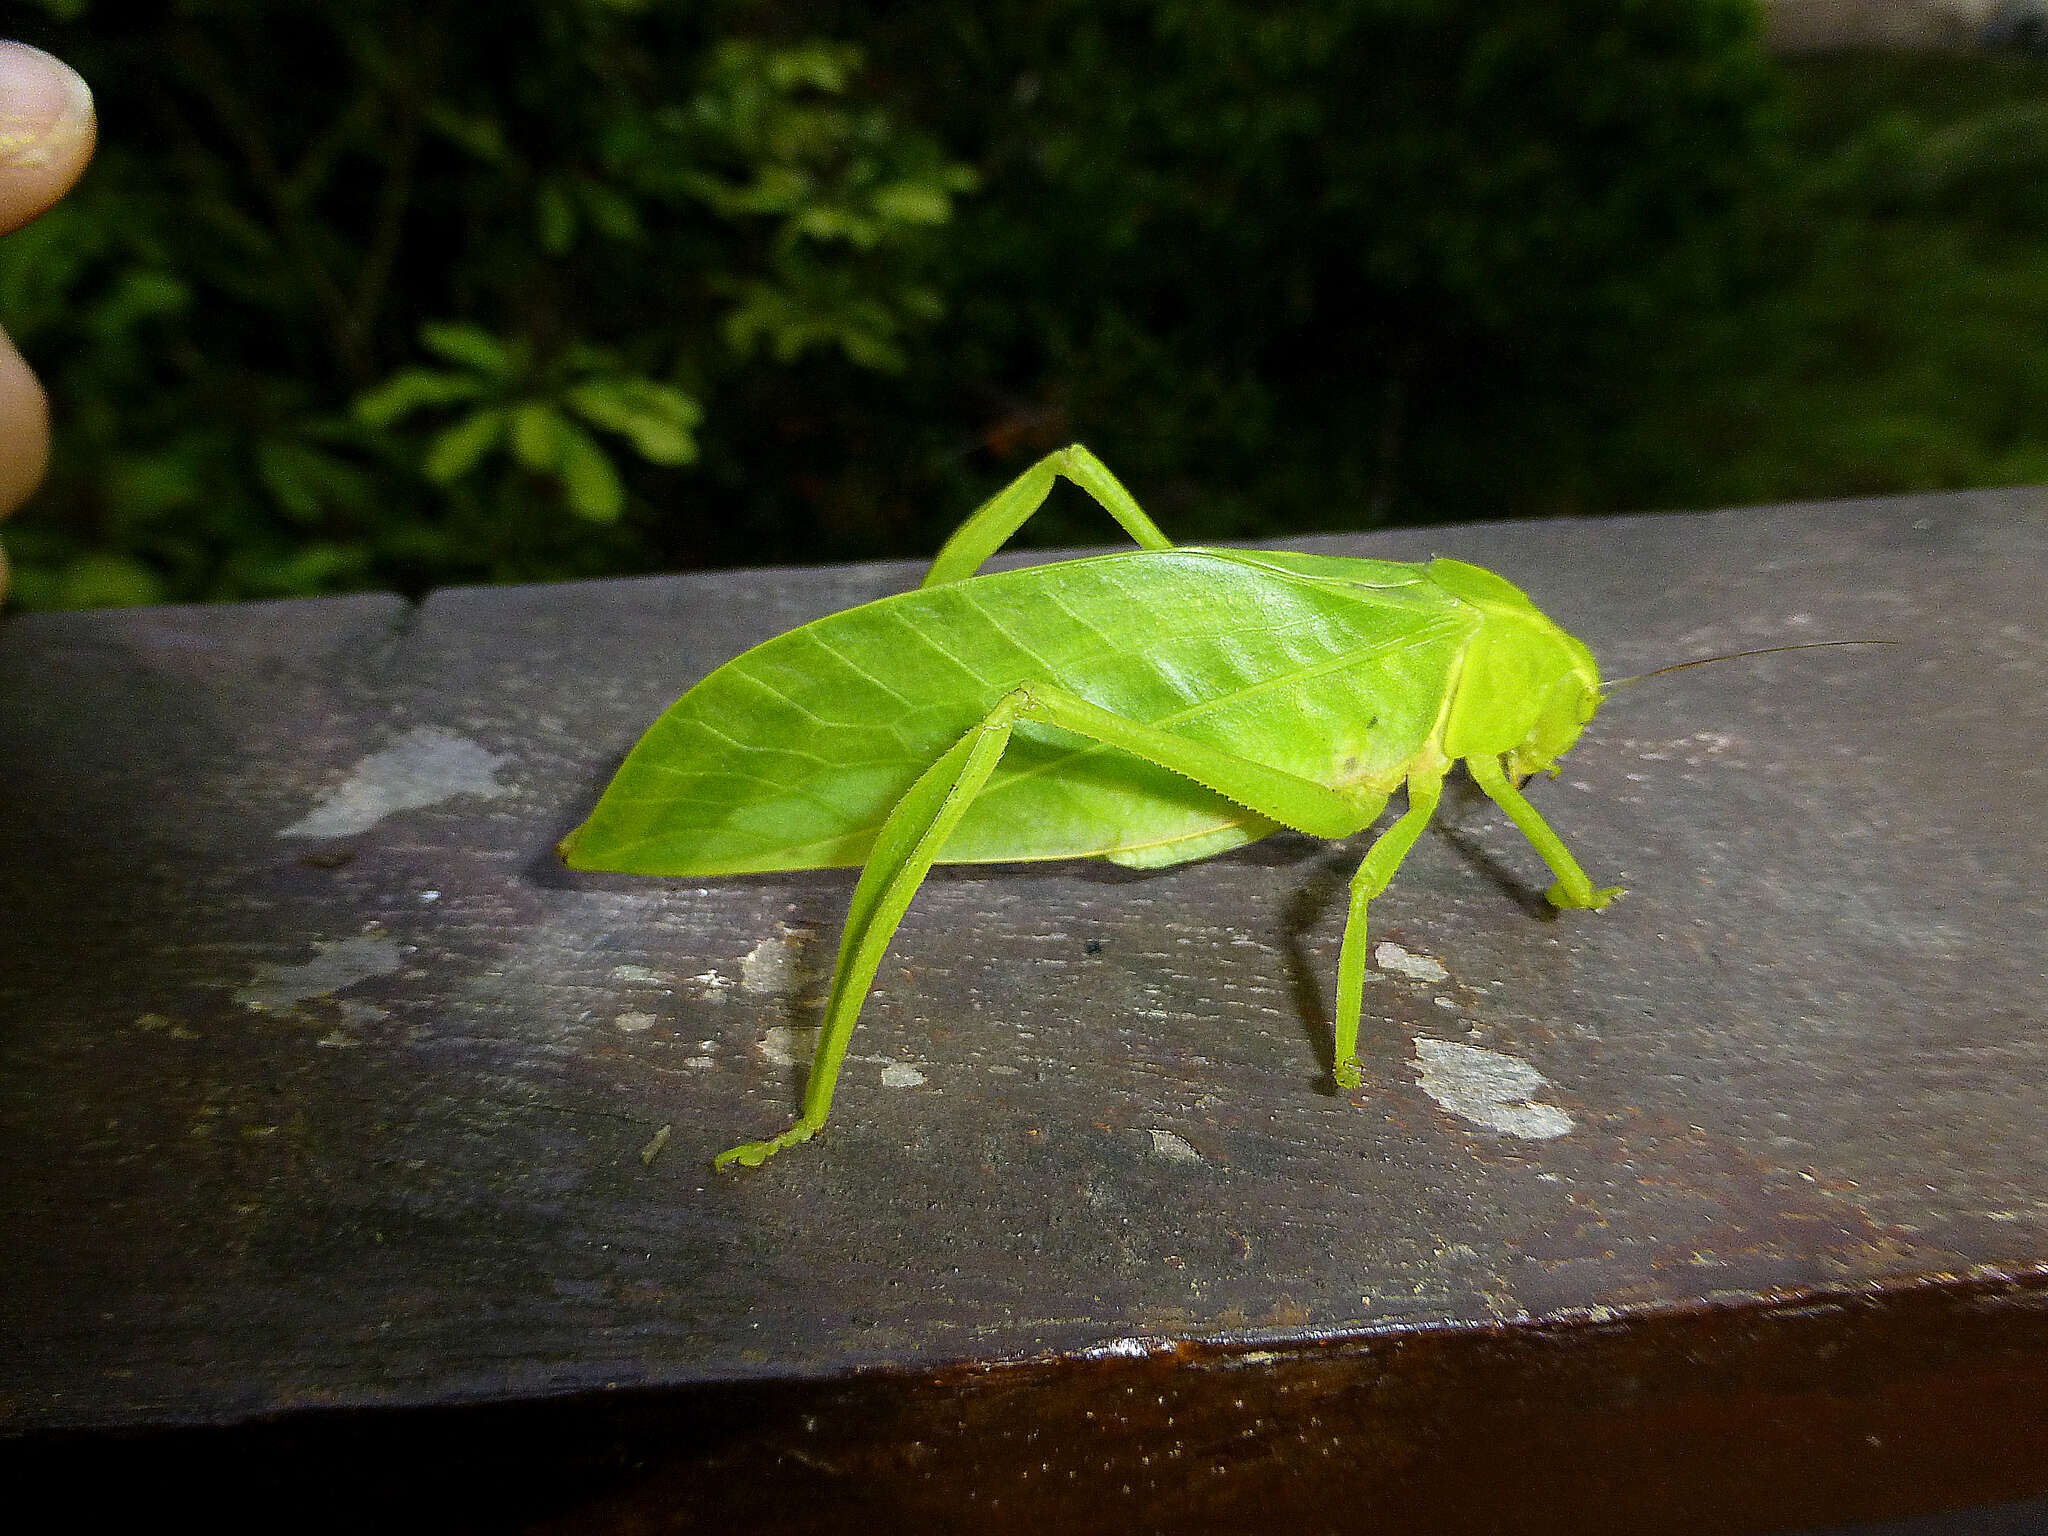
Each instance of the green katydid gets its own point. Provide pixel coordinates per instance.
(1147, 707)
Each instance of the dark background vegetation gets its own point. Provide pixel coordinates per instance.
(361, 293)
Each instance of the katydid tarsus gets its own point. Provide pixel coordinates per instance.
(1148, 707)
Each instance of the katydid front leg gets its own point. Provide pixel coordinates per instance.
(916, 831)
(1572, 889)
(991, 524)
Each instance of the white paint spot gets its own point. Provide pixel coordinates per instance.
(1404, 962)
(786, 1045)
(337, 963)
(1174, 1149)
(425, 766)
(901, 1074)
(634, 973)
(635, 1023)
(1125, 1349)
(711, 981)
(700, 1062)
(430, 895)
(774, 966)
(1488, 1088)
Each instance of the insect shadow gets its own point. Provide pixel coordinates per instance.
(1324, 887)
(544, 866)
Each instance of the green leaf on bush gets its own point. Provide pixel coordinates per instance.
(138, 295)
(819, 64)
(461, 447)
(105, 581)
(537, 436)
(137, 489)
(474, 347)
(591, 483)
(825, 222)
(658, 419)
(913, 202)
(307, 482)
(612, 214)
(482, 136)
(790, 323)
(409, 390)
(554, 216)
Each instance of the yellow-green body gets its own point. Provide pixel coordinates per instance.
(1149, 707)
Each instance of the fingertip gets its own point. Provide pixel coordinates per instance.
(24, 428)
(47, 131)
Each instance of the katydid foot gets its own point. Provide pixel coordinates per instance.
(753, 1154)
(1559, 896)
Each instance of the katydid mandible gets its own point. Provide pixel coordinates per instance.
(1147, 707)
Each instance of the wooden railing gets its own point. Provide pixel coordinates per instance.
(331, 1102)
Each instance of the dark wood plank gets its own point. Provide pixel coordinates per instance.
(307, 1113)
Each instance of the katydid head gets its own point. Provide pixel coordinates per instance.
(1563, 694)
(1526, 689)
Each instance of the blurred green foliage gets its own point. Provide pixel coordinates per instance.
(362, 293)
(1892, 335)
(1293, 264)
(402, 292)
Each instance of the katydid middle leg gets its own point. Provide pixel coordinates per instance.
(1375, 872)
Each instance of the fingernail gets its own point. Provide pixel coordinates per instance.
(45, 108)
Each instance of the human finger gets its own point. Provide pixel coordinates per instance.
(47, 130)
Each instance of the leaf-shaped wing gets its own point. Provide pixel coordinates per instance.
(790, 756)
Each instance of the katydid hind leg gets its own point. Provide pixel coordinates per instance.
(904, 850)
(1274, 793)
(1573, 888)
(993, 523)
(1375, 873)
(925, 817)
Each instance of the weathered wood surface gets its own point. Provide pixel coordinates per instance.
(322, 1086)
(1807, 26)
